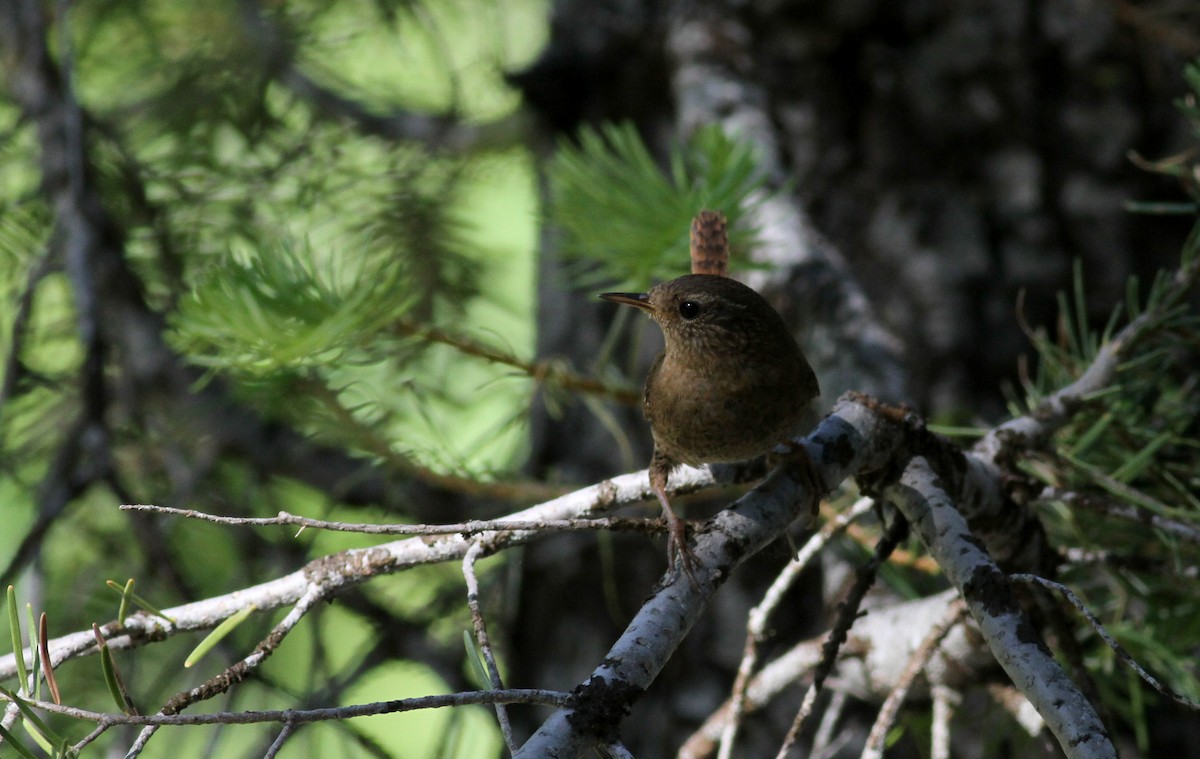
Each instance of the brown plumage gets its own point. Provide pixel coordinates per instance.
(730, 385)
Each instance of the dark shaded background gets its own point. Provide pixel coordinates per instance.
(955, 155)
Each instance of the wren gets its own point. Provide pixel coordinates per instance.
(730, 384)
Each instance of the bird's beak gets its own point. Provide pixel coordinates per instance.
(637, 300)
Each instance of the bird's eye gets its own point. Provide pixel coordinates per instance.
(689, 309)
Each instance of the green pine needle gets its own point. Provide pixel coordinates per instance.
(218, 634)
(626, 221)
(281, 311)
(11, 740)
(14, 621)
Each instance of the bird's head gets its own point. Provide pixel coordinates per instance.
(709, 313)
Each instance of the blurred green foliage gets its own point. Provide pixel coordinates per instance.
(625, 219)
(284, 245)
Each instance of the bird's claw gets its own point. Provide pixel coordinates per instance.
(677, 545)
(676, 536)
(801, 465)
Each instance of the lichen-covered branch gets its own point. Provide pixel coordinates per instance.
(1008, 631)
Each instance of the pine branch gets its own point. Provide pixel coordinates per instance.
(626, 221)
(1008, 631)
(550, 373)
(352, 430)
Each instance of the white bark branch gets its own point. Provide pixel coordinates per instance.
(1013, 640)
(916, 665)
(353, 567)
(844, 443)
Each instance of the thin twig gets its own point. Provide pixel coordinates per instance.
(945, 699)
(358, 434)
(536, 696)
(1102, 505)
(543, 372)
(440, 131)
(1033, 430)
(847, 613)
(756, 620)
(481, 636)
(14, 368)
(319, 587)
(1117, 648)
(359, 565)
(277, 744)
(916, 665)
(825, 744)
(901, 557)
(99, 730)
(648, 526)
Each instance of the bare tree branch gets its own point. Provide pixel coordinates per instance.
(846, 442)
(1014, 641)
(916, 665)
(14, 368)
(1109, 640)
(547, 372)
(648, 526)
(1110, 507)
(474, 553)
(757, 619)
(846, 614)
(885, 640)
(334, 572)
(301, 716)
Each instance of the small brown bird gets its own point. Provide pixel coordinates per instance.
(730, 384)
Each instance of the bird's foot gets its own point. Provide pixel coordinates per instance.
(677, 538)
(677, 544)
(802, 467)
